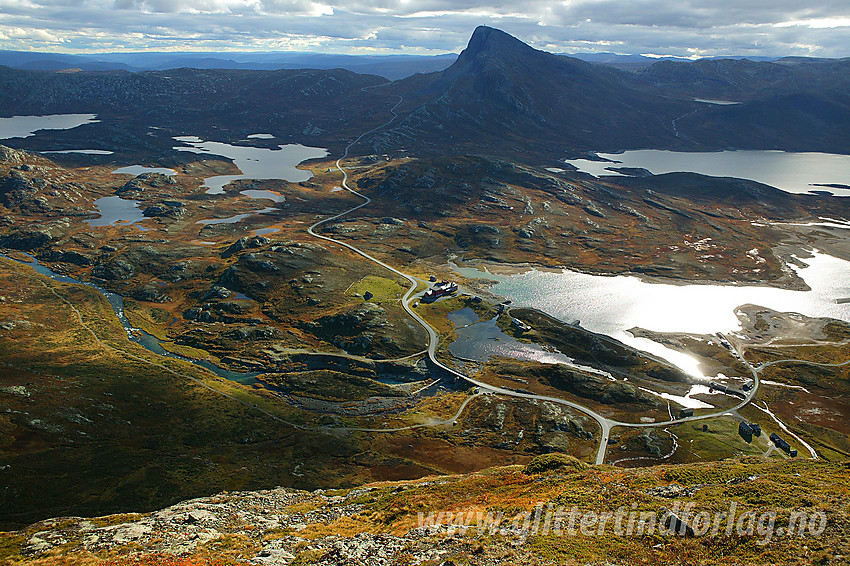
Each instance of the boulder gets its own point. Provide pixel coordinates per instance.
(118, 269)
(165, 209)
(254, 333)
(216, 292)
(70, 256)
(151, 294)
(244, 243)
(16, 189)
(141, 183)
(28, 239)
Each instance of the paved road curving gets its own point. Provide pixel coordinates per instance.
(433, 338)
(605, 423)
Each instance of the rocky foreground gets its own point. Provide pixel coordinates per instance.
(497, 516)
(269, 527)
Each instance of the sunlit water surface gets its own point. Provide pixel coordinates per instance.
(788, 171)
(611, 305)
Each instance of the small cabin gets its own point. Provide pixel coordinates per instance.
(780, 442)
(685, 413)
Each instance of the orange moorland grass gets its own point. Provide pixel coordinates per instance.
(153, 559)
(168, 560)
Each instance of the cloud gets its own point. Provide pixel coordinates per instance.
(668, 27)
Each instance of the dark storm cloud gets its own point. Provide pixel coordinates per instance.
(675, 27)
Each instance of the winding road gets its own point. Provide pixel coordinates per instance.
(433, 338)
(605, 423)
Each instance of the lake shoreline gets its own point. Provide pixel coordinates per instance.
(494, 272)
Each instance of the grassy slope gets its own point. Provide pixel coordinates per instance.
(90, 429)
(755, 484)
(94, 428)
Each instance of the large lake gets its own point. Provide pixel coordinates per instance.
(791, 172)
(254, 162)
(613, 304)
(25, 126)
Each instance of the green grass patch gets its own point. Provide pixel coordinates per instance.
(383, 288)
(721, 440)
(188, 351)
(11, 545)
(549, 462)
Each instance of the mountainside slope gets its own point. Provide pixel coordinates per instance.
(794, 121)
(153, 91)
(501, 92)
(198, 101)
(737, 79)
(553, 511)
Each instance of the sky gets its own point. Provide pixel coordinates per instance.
(685, 28)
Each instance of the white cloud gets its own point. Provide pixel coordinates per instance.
(676, 27)
(818, 23)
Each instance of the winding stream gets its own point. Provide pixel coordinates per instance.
(147, 341)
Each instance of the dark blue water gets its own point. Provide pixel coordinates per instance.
(481, 340)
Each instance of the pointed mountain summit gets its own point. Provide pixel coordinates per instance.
(501, 91)
(503, 95)
(497, 54)
(492, 42)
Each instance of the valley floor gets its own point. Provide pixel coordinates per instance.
(334, 390)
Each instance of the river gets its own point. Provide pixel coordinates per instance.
(148, 341)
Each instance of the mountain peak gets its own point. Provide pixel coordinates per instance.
(487, 40)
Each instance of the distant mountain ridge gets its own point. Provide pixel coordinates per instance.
(498, 95)
(391, 67)
(501, 93)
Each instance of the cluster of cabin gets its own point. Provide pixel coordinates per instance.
(749, 430)
(439, 289)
